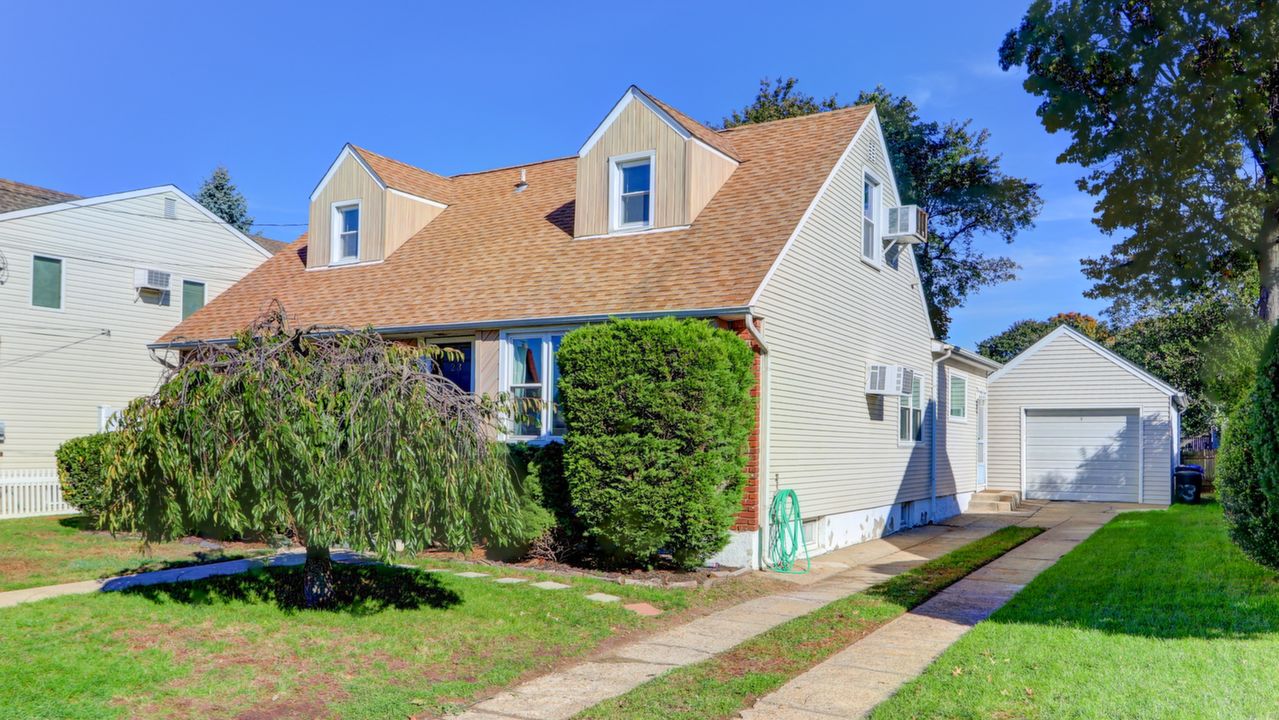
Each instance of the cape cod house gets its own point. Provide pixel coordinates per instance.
(791, 233)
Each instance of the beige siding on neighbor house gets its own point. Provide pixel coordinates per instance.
(957, 437)
(827, 314)
(707, 172)
(636, 129)
(50, 390)
(1066, 374)
(349, 182)
(404, 217)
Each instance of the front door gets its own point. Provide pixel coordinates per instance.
(981, 441)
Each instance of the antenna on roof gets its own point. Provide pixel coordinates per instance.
(523, 183)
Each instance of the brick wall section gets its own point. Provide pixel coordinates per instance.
(748, 518)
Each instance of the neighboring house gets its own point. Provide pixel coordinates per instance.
(1071, 420)
(85, 285)
(789, 233)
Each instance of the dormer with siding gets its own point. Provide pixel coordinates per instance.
(367, 206)
(648, 167)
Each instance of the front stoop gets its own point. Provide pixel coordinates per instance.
(992, 501)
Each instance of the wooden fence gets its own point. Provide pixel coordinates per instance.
(29, 493)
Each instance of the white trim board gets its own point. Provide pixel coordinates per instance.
(632, 94)
(1061, 330)
(129, 195)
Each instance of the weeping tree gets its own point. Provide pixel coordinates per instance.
(341, 438)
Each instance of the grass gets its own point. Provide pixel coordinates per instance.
(1157, 615)
(730, 682)
(423, 645)
(52, 550)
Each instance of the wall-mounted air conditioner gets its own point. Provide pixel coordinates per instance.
(907, 225)
(888, 379)
(145, 280)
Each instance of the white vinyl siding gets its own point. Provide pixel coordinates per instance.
(957, 440)
(50, 390)
(828, 316)
(1067, 374)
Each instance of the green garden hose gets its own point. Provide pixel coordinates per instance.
(786, 534)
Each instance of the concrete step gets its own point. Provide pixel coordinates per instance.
(994, 501)
(989, 506)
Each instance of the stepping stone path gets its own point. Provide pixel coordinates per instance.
(643, 609)
(549, 585)
(472, 574)
(510, 580)
(603, 597)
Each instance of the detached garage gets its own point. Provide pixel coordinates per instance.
(1071, 420)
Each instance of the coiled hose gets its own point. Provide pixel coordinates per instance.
(786, 534)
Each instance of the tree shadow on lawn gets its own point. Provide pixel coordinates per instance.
(1155, 575)
(360, 589)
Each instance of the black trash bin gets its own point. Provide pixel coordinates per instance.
(1189, 482)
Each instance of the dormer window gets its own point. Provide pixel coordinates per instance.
(632, 190)
(346, 232)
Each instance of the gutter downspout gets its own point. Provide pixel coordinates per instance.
(762, 461)
(932, 436)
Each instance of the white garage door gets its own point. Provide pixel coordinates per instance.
(1083, 454)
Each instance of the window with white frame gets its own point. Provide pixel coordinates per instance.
(533, 382)
(871, 247)
(958, 397)
(346, 232)
(632, 192)
(910, 414)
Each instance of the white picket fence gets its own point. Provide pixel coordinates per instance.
(28, 493)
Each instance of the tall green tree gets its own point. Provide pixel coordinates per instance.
(343, 439)
(221, 197)
(1173, 109)
(1006, 345)
(945, 168)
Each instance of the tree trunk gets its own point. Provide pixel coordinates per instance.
(317, 581)
(1268, 265)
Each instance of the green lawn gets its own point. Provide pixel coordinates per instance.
(227, 648)
(728, 683)
(51, 550)
(1157, 615)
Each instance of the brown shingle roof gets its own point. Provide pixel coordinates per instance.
(20, 196)
(412, 180)
(271, 246)
(717, 140)
(499, 256)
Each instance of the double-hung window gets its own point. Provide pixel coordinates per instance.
(872, 250)
(46, 282)
(632, 192)
(959, 397)
(910, 413)
(346, 232)
(533, 380)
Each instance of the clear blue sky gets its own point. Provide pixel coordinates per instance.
(106, 97)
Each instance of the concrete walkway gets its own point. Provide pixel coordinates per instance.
(564, 693)
(851, 683)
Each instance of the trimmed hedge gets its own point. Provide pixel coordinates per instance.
(659, 414)
(82, 470)
(1248, 465)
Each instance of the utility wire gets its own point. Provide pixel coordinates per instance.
(99, 208)
(42, 353)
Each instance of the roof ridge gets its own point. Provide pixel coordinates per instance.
(515, 166)
(809, 116)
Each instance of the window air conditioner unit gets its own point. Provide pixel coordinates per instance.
(907, 225)
(150, 280)
(888, 379)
